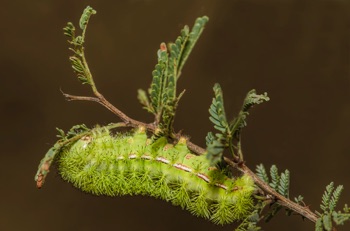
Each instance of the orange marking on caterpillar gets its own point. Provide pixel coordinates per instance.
(189, 156)
(163, 47)
(40, 181)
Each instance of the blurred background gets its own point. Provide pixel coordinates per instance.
(297, 51)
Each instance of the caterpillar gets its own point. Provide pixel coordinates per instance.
(119, 164)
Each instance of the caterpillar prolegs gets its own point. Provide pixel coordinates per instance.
(131, 164)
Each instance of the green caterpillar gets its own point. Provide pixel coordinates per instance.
(122, 164)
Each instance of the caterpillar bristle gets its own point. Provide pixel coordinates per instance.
(223, 212)
(199, 205)
(132, 164)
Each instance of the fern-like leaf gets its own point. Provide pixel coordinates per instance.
(335, 197)
(261, 173)
(254, 99)
(176, 51)
(340, 217)
(76, 130)
(217, 111)
(169, 96)
(80, 69)
(143, 98)
(159, 80)
(84, 19)
(327, 197)
(280, 183)
(329, 216)
(221, 140)
(319, 225)
(69, 31)
(61, 134)
(215, 149)
(78, 61)
(283, 187)
(327, 222)
(250, 100)
(275, 178)
(299, 199)
(193, 37)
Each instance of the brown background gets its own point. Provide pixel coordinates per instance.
(297, 51)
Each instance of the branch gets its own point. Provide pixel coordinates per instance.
(102, 100)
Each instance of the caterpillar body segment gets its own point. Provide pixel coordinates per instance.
(116, 165)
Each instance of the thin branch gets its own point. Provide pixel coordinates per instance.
(102, 100)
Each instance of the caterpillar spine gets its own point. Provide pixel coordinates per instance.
(131, 164)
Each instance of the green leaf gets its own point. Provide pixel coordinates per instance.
(77, 65)
(339, 218)
(299, 199)
(159, 80)
(79, 69)
(250, 100)
(326, 197)
(78, 41)
(217, 111)
(84, 19)
(217, 144)
(78, 61)
(176, 50)
(335, 197)
(261, 173)
(283, 187)
(215, 149)
(319, 225)
(253, 99)
(275, 178)
(69, 31)
(77, 129)
(142, 97)
(327, 222)
(194, 35)
(61, 134)
(329, 201)
(170, 99)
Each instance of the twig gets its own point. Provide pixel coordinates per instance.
(102, 100)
